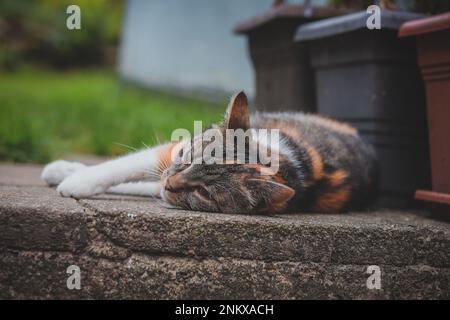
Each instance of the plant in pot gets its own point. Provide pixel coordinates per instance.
(370, 79)
(433, 43)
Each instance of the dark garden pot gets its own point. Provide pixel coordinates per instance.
(370, 79)
(433, 45)
(283, 76)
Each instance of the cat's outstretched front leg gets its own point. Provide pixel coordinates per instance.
(97, 179)
(54, 173)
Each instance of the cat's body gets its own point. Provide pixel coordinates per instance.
(324, 166)
(335, 170)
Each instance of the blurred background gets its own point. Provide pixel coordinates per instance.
(135, 71)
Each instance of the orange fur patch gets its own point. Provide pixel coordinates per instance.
(316, 162)
(333, 201)
(276, 207)
(337, 178)
(276, 176)
(165, 157)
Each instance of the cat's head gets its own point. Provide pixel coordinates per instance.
(231, 187)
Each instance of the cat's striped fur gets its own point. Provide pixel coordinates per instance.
(328, 165)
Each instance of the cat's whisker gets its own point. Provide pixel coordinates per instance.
(152, 173)
(163, 164)
(159, 167)
(166, 164)
(159, 170)
(151, 178)
(148, 173)
(156, 174)
(126, 146)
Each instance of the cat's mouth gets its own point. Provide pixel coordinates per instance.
(169, 196)
(178, 183)
(178, 189)
(190, 195)
(173, 188)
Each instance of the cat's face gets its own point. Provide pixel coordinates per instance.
(229, 187)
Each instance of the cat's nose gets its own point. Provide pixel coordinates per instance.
(174, 183)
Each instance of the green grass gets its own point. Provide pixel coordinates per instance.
(46, 115)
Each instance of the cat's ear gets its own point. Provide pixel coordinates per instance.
(237, 116)
(278, 193)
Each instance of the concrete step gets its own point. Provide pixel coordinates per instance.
(129, 247)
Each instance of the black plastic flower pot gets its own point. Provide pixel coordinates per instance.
(370, 79)
(283, 76)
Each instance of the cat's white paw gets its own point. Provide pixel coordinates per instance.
(82, 184)
(55, 172)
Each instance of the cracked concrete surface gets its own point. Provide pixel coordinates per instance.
(130, 247)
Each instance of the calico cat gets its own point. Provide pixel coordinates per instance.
(324, 166)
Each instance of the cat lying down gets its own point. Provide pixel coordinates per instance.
(322, 166)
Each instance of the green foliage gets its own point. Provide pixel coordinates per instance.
(45, 115)
(36, 29)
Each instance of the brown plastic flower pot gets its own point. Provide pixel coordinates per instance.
(284, 79)
(370, 79)
(433, 44)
